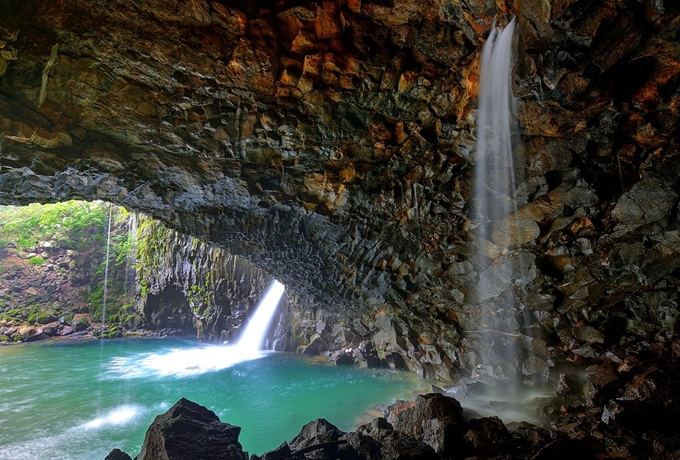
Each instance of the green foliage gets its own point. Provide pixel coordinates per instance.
(72, 224)
(36, 260)
(81, 227)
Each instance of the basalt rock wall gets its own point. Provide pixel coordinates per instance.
(331, 143)
(187, 286)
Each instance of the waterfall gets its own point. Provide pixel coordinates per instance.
(106, 265)
(182, 362)
(253, 336)
(131, 257)
(494, 170)
(499, 260)
(494, 200)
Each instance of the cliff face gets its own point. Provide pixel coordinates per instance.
(54, 275)
(332, 143)
(187, 285)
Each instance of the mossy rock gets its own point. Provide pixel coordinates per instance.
(4, 338)
(112, 333)
(44, 318)
(81, 325)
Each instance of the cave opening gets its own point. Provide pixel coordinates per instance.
(161, 284)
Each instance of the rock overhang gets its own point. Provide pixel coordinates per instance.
(332, 142)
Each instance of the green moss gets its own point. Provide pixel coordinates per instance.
(44, 318)
(36, 260)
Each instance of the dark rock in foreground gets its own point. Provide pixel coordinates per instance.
(434, 426)
(117, 454)
(190, 431)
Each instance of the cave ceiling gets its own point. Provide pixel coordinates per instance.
(332, 143)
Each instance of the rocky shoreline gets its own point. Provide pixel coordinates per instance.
(625, 410)
(80, 328)
(433, 426)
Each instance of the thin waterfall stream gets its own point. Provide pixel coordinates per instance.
(106, 265)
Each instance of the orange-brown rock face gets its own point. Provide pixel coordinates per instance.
(332, 142)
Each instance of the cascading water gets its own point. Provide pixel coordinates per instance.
(495, 201)
(253, 336)
(131, 262)
(494, 171)
(106, 265)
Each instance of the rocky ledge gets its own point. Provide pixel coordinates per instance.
(436, 426)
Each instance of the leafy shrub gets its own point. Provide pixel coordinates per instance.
(36, 260)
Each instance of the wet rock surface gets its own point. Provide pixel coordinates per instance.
(189, 287)
(188, 430)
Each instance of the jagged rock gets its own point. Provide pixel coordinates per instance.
(50, 331)
(117, 454)
(404, 447)
(342, 357)
(434, 419)
(81, 325)
(282, 452)
(534, 365)
(317, 432)
(188, 430)
(601, 376)
(378, 440)
(589, 334)
(488, 437)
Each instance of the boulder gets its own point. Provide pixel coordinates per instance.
(282, 452)
(117, 454)
(343, 357)
(488, 436)
(399, 446)
(81, 325)
(320, 431)
(434, 419)
(190, 431)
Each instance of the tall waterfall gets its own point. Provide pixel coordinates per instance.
(494, 171)
(106, 264)
(499, 260)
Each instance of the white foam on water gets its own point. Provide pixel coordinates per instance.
(182, 362)
(117, 416)
(179, 362)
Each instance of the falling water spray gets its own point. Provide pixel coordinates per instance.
(256, 330)
(106, 265)
(494, 204)
(495, 172)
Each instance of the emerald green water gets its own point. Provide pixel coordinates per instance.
(79, 400)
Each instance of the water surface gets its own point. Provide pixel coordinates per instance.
(79, 400)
